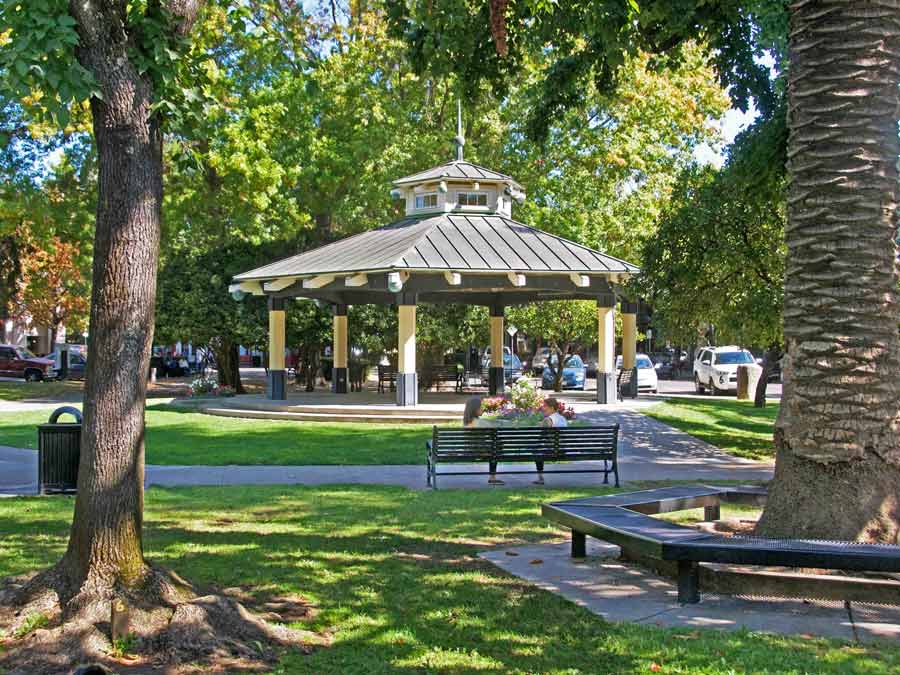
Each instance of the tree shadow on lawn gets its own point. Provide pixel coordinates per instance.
(395, 575)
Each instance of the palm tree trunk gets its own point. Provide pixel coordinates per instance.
(838, 458)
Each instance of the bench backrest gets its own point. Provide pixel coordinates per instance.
(523, 443)
(444, 371)
(387, 372)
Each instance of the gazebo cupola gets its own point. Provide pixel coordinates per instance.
(458, 187)
(457, 243)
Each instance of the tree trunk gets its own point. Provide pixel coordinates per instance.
(228, 364)
(837, 472)
(769, 358)
(105, 545)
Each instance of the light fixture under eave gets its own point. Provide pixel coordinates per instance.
(236, 292)
(517, 280)
(395, 282)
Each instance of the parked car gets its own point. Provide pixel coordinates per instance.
(648, 382)
(16, 361)
(512, 365)
(573, 375)
(715, 368)
(76, 359)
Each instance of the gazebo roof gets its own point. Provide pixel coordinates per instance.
(446, 243)
(450, 257)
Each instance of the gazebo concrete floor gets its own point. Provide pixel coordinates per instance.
(620, 591)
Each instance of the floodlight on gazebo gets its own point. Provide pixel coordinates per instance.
(395, 282)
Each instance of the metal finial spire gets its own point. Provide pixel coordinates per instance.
(460, 139)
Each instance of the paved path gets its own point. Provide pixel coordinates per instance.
(648, 450)
(621, 592)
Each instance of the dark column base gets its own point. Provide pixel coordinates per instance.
(275, 385)
(630, 390)
(339, 380)
(579, 544)
(496, 380)
(407, 389)
(606, 388)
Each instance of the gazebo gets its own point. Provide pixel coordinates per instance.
(457, 243)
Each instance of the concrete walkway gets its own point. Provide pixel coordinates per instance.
(623, 592)
(648, 450)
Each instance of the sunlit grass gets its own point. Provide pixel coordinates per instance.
(737, 427)
(395, 576)
(178, 436)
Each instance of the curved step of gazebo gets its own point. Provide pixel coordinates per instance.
(321, 414)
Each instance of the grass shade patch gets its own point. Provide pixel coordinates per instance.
(394, 576)
(66, 390)
(737, 427)
(176, 435)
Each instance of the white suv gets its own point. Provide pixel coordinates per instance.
(715, 368)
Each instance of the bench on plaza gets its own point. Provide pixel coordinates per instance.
(438, 375)
(625, 520)
(498, 445)
(387, 375)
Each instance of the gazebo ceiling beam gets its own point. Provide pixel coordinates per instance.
(437, 283)
(485, 298)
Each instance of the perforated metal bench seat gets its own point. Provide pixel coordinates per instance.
(622, 519)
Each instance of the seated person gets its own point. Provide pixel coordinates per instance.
(472, 418)
(552, 418)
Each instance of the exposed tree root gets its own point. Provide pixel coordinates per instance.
(45, 627)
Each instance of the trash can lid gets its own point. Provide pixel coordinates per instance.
(64, 410)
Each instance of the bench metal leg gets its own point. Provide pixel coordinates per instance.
(712, 512)
(579, 544)
(688, 582)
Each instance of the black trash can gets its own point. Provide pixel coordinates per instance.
(256, 360)
(59, 449)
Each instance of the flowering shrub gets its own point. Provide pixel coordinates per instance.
(208, 386)
(566, 411)
(524, 395)
(521, 407)
(493, 405)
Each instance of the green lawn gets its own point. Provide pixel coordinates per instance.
(395, 578)
(177, 436)
(41, 391)
(734, 426)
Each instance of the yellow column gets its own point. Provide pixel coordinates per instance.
(406, 346)
(276, 339)
(606, 339)
(629, 336)
(497, 341)
(340, 341)
(276, 381)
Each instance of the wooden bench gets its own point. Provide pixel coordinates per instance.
(624, 519)
(387, 375)
(438, 375)
(496, 445)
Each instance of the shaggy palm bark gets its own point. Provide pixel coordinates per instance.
(837, 474)
(105, 548)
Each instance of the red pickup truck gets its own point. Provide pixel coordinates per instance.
(17, 361)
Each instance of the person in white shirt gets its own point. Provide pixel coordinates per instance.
(552, 418)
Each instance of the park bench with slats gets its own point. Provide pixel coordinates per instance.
(479, 445)
(387, 375)
(625, 519)
(438, 375)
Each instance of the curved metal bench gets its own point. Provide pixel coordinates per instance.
(624, 519)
